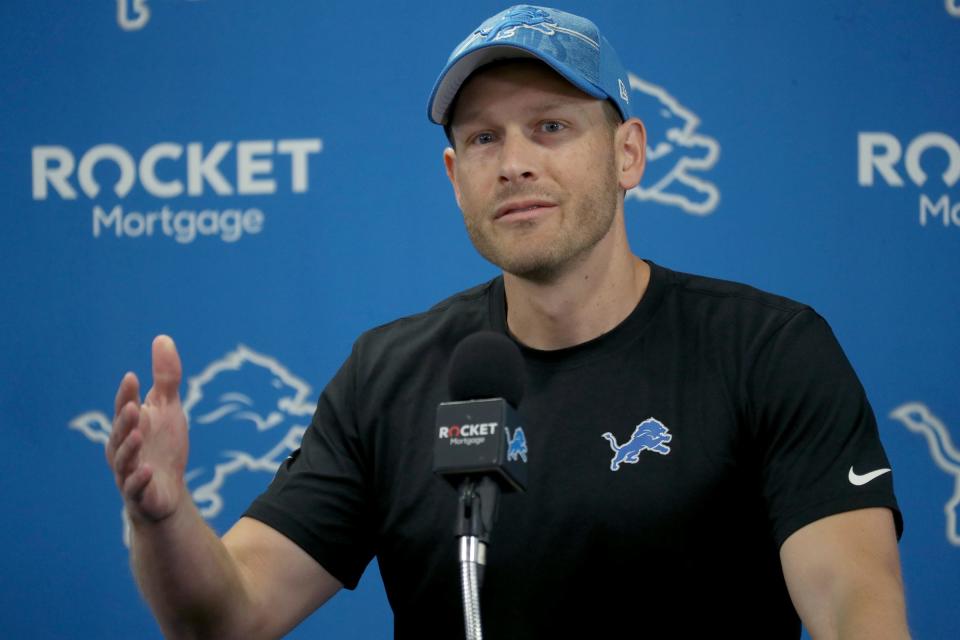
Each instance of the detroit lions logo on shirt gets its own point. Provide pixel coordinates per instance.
(649, 435)
(516, 444)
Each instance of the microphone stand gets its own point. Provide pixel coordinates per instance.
(476, 511)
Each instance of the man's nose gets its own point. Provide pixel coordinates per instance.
(518, 158)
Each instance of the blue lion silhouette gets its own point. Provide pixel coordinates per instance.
(517, 444)
(528, 17)
(650, 435)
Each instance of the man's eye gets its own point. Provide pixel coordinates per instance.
(483, 138)
(553, 126)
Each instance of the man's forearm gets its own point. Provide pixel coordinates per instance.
(874, 614)
(188, 577)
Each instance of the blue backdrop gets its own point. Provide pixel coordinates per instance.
(260, 181)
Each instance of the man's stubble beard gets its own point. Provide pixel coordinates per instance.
(544, 259)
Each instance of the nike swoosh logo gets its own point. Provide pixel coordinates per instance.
(860, 480)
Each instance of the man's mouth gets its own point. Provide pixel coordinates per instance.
(522, 209)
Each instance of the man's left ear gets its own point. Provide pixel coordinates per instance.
(631, 145)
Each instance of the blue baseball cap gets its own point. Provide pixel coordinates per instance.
(571, 45)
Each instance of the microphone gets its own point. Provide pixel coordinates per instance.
(478, 433)
(481, 449)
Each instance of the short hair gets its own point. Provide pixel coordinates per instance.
(610, 111)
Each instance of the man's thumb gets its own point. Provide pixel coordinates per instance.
(167, 371)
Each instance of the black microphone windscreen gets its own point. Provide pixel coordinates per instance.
(487, 365)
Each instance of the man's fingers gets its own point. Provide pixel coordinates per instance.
(166, 370)
(128, 416)
(126, 459)
(136, 482)
(128, 391)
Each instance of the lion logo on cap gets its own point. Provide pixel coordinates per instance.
(526, 17)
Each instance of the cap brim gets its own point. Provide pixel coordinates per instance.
(457, 72)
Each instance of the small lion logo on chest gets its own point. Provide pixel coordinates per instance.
(649, 435)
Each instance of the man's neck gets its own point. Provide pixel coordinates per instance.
(581, 304)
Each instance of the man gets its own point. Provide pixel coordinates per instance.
(749, 502)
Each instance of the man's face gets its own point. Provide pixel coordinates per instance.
(534, 169)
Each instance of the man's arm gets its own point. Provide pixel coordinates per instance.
(843, 575)
(255, 583)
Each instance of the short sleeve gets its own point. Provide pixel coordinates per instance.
(820, 451)
(319, 497)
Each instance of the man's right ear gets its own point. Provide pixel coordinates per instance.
(450, 163)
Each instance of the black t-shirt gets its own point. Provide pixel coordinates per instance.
(760, 419)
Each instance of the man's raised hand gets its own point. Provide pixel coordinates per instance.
(148, 445)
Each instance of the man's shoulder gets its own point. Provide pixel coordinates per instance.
(734, 312)
(718, 300)
(708, 290)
